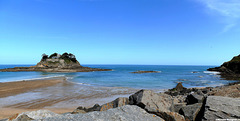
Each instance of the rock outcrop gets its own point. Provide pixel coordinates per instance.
(197, 105)
(190, 112)
(121, 101)
(66, 62)
(156, 103)
(124, 113)
(218, 107)
(229, 70)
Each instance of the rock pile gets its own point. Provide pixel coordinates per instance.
(146, 105)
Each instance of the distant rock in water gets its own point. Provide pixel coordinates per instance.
(58, 61)
(66, 62)
(230, 69)
(140, 72)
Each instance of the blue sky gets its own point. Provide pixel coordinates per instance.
(152, 32)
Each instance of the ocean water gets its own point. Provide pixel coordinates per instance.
(121, 76)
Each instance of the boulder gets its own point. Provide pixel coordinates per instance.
(151, 101)
(121, 101)
(124, 113)
(24, 117)
(190, 112)
(170, 116)
(81, 109)
(33, 115)
(178, 90)
(156, 103)
(178, 106)
(218, 107)
(195, 98)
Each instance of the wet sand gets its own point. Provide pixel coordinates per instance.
(56, 94)
(14, 88)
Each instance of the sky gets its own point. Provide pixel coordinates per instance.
(148, 32)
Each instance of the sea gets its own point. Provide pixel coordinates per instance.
(167, 77)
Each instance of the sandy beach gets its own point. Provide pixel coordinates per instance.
(55, 94)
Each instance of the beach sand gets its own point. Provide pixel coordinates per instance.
(55, 94)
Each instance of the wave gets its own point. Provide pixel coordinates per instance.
(211, 72)
(35, 78)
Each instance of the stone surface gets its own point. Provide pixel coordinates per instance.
(170, 116)
(178, 106)
(35, 115)
(178, 90)
(151, 101)
(195, 98)
(124, 113)
(190, 112)
(24, 117)
(156, 103)
(226, 91)
(81, 109)
(121, 101)
(218, 107)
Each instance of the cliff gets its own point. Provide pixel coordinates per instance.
(230, 69)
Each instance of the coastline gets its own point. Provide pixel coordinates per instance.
(58, 95)
(17, 87)
(55, 94)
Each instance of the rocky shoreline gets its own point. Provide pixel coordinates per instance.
(177, 104)
(229, 70)
(51, 69)
(66, 62)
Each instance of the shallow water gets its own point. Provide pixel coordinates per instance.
(191, 76)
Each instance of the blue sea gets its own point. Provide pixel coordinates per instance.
(168, 76)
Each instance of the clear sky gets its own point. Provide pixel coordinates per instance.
(154, 32)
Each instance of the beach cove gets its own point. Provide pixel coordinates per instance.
(63, 92)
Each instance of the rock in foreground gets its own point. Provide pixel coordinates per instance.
(124, 113)
(218, 107)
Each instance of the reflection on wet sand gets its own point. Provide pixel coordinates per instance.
(54, 94)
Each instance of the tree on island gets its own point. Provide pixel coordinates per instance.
(44, 56)
(67, 57)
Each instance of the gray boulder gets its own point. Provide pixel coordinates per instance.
(151, 101)
(124, 113)
(218, 107)
(24, 117)
(190, 112)
(121, 101)
(34, 115)
(195, 98)
(178, 106)
(155, 103)
(81, 109)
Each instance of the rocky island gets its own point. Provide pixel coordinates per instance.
(140, 72)
(66, 62)
(229, 70)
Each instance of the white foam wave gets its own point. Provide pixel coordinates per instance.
(79, 83)
(211, 72)
(35, 78)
